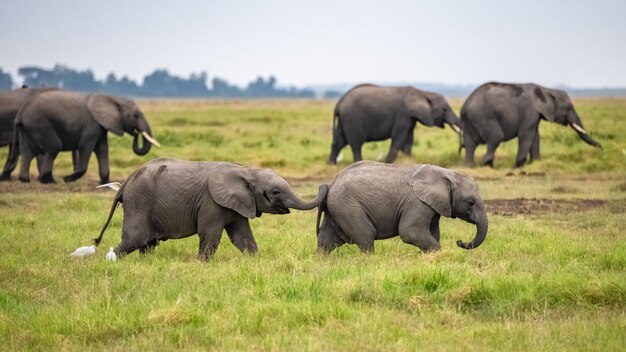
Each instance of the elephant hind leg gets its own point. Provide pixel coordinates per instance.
(328, 239)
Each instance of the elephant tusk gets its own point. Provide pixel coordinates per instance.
(150, 139)
(456, 129)
(579, 129)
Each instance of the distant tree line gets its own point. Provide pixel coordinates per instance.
(159, 83)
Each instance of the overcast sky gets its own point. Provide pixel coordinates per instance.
(577, 43)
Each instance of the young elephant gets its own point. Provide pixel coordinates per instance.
(373, 201)
(169, 198)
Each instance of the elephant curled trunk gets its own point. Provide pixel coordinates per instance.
(481, 233)
(294, 202)
(148, 141)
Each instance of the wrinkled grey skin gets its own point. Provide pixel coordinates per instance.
(372, 113)
(497, 112)
(371, 201)
(56, 121)
(169, 198)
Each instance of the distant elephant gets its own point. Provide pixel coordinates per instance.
(372, 113)
(371, 201)
(56, 121)
(497, 112)
(169, 198)
(10, 103)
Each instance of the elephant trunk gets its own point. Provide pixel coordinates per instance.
(145, 147)
(577, 125)
(294, 202)
(143, 129)
(481, 233)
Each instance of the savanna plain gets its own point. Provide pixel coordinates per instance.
(551, 274)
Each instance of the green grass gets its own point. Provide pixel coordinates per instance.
(543, 280)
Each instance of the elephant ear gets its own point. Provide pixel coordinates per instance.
(431, 184)
(545, 103)
(420, 107)
(107, 113)
(229, 186)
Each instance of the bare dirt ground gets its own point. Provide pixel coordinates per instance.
(510, 207)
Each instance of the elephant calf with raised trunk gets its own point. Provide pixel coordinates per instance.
(56, 121)
(372, 113)
(170, 198)
(371, 201)
(497, 112)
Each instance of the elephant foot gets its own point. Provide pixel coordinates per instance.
(489, 163)
(520, 163)
(69, 178)
(47, 178)
(5, 177)
(24, 179)
(104, 181)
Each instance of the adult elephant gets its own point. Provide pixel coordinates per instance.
(371, 201)
(57, 121)
(372, 113)
(497, 112)
(169, 198)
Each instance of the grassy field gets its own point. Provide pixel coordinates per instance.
(551, 274)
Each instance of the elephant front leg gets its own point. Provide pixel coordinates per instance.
(523, 149)
(434, 227)
(241, 236)
(416, 230)
(84, 154)
(408, 145)
(534, 149)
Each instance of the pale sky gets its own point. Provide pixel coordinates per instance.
(577, 43)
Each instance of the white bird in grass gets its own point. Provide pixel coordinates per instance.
(84, 251)
(340, 157)
(111, 257)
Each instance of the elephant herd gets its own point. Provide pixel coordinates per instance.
(493, 113)
(168, 198)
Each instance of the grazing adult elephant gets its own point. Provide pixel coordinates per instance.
(371, 201)
(56, 121)
(497, 112)
(372, 113)
(169, 198)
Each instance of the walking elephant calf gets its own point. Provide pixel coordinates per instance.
(169, 198)
(373, 201)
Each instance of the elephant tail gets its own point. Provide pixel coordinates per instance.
(116, 201)
(321, 209)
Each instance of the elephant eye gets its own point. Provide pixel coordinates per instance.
(470, 202)
(275, 192)
(136, 114)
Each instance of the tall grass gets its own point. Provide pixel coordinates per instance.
(541, 281)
